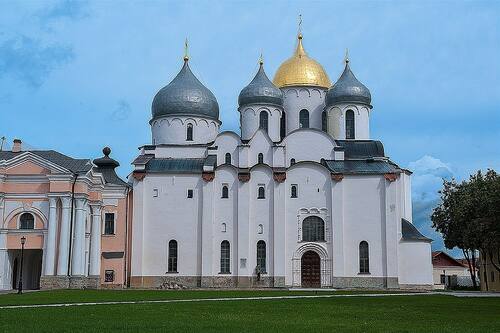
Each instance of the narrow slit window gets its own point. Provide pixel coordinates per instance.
(189, 132)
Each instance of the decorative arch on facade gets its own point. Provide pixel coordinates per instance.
(16, 214)
(325, 262)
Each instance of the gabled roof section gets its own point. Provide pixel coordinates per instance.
(359, 149)
(441, 258)
(361, 166)
(175, 165)
(410, 233)
(64, 161)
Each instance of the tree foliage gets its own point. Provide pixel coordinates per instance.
(468, 217)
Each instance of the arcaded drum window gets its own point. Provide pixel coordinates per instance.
(261, 193)
(172, 256)
(364, 264)
(224, 257)
(261, 256)
(109, 223)
(313, 229)
(283, 125)
(260, 158)
(263, 120)
(227, 158)
(349, 124)
(304, 119)
(324, 122)
(27, 221)
(293, 191)
(189, 132)
(225, 192)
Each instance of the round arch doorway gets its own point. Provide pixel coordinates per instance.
(310, 270)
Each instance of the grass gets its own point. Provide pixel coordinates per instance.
(426, 313)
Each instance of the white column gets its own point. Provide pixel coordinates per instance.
(78, 252)
(5, 270)
(64, 234)
(51, 238)
(95, 241)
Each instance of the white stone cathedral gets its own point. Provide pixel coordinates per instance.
(303, 197)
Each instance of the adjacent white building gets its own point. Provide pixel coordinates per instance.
(301, 197)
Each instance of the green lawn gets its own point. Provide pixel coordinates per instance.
(426, 313)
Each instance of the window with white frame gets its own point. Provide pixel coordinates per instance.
(26, 221)
(109, 223)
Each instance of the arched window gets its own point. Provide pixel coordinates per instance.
(293, 191)
(26, 221)
(261, 256)
(260, 229)
(260, 158)
(225, 257)
(292, 161)
(283, 125)
(227, 158)
(263, 120)
(225, 192)
(172, 256)
(364, 263)
(349, 124)
(261, 193)
(313, 229)
(189, 132)
(324, 122)
(223, 227)
(304, 119)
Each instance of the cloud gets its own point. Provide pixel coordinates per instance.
(427, 180)
(30, 61)
(122, 111)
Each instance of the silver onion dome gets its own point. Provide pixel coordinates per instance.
(260, 90)
(185, 95)
(348, 89)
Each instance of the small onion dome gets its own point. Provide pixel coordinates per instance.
(106, 161)
(185, 96)
(348, 89)
(260, 90)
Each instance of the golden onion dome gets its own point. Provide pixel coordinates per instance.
(300, 70)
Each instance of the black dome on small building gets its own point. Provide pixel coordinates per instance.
(348, 89)
(186, 96)
(260, 90)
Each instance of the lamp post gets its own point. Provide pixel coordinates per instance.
(20, 290)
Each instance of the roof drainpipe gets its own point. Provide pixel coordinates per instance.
(71, 223)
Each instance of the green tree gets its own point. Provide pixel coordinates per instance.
(468, 217)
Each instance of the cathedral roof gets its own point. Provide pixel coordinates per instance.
(361, 166)
(355, 149)
(300, 70)
(260, 90)
(348, 89)
(410, 233)
(185, 95)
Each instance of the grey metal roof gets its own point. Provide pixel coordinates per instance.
(185, 95)
(410, 233)
(348, 89)
(143, 159)
(176, 165)
(354, 149)
(260, 90)
(72, 164)
(106, 166)
(361, 167)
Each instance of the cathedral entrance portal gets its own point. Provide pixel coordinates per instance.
(310, 270)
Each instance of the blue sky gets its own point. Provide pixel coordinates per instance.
(76, 76)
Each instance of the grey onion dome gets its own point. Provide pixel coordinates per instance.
(185, 95)
(260, 90)
(348, 89)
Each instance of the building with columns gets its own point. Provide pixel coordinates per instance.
(73, 214)
(301, 197)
